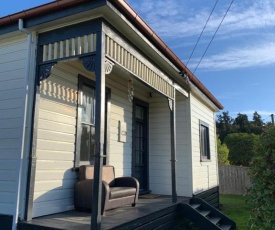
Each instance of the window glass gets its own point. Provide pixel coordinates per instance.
(87, 143)
(88, 105)
(85, 138)
(87, 129)
(204, 141)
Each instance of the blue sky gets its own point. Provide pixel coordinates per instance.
(238, 67)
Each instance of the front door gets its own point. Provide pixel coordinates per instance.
(140, 144)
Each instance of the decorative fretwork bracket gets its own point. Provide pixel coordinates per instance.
(88, 62)
(170, 104)
(108, 66)
(44, 71)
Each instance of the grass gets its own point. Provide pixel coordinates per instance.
(235, 207)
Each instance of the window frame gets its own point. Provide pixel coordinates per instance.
(205, 153)
(82, 80)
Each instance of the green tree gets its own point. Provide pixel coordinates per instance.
(257, 119)
(242, 147)
(223, 152)
(257, 125)
(261, 195)
(242, 122)
(224, 125)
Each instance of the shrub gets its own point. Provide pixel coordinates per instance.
(262, 193)
(223, 152)
(242, 148)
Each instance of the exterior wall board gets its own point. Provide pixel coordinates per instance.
(56, 143)
(205, 175)
(120, 154)
(12, 99)
(184, 155)
(56, 136)
(159, 146)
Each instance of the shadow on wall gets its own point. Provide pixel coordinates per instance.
(53, 195)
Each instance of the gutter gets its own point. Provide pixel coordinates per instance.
(27, 95)
(40, 10)
(133, 16)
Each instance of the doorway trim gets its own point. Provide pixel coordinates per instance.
(136, 102)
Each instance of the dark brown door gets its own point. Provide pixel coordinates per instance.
(140, 144)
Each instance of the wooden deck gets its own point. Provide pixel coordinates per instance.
(149, 209)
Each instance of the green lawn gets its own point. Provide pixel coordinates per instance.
(236, 208)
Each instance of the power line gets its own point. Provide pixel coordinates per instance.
(214, 35)
(202, 32)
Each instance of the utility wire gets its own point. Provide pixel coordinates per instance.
(214, 35)
(202, 32)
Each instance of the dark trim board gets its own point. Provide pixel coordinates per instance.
(145, 122)
(55, 15)
(32, 153)
(211, 196)
(8, 29)
(65, 13)
(76, 30)
(6, 222)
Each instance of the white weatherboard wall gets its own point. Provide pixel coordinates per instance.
(120, 155)
(205, 174)
(121, 110)
(54, 179)
(184, 153)
(160, 147)
(13, 54)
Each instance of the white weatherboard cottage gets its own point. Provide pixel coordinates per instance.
(84, 78)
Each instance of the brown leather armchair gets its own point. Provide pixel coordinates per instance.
(116, 192)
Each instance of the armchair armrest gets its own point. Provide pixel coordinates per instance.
(127, 182)
(84, 193)
(105, 196)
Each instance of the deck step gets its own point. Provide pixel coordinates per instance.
(206, 217)
(205, 212)
(225, 227)
(215, 220)
(195, 206)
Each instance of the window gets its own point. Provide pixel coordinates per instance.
(204, 141)
(85, 140)
(86, 122)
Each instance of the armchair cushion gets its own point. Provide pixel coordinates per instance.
(119, 192)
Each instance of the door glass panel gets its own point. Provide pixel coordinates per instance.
(139, 145)
(140, 170)
(139, 112)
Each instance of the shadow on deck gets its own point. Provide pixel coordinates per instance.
(151, 212)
